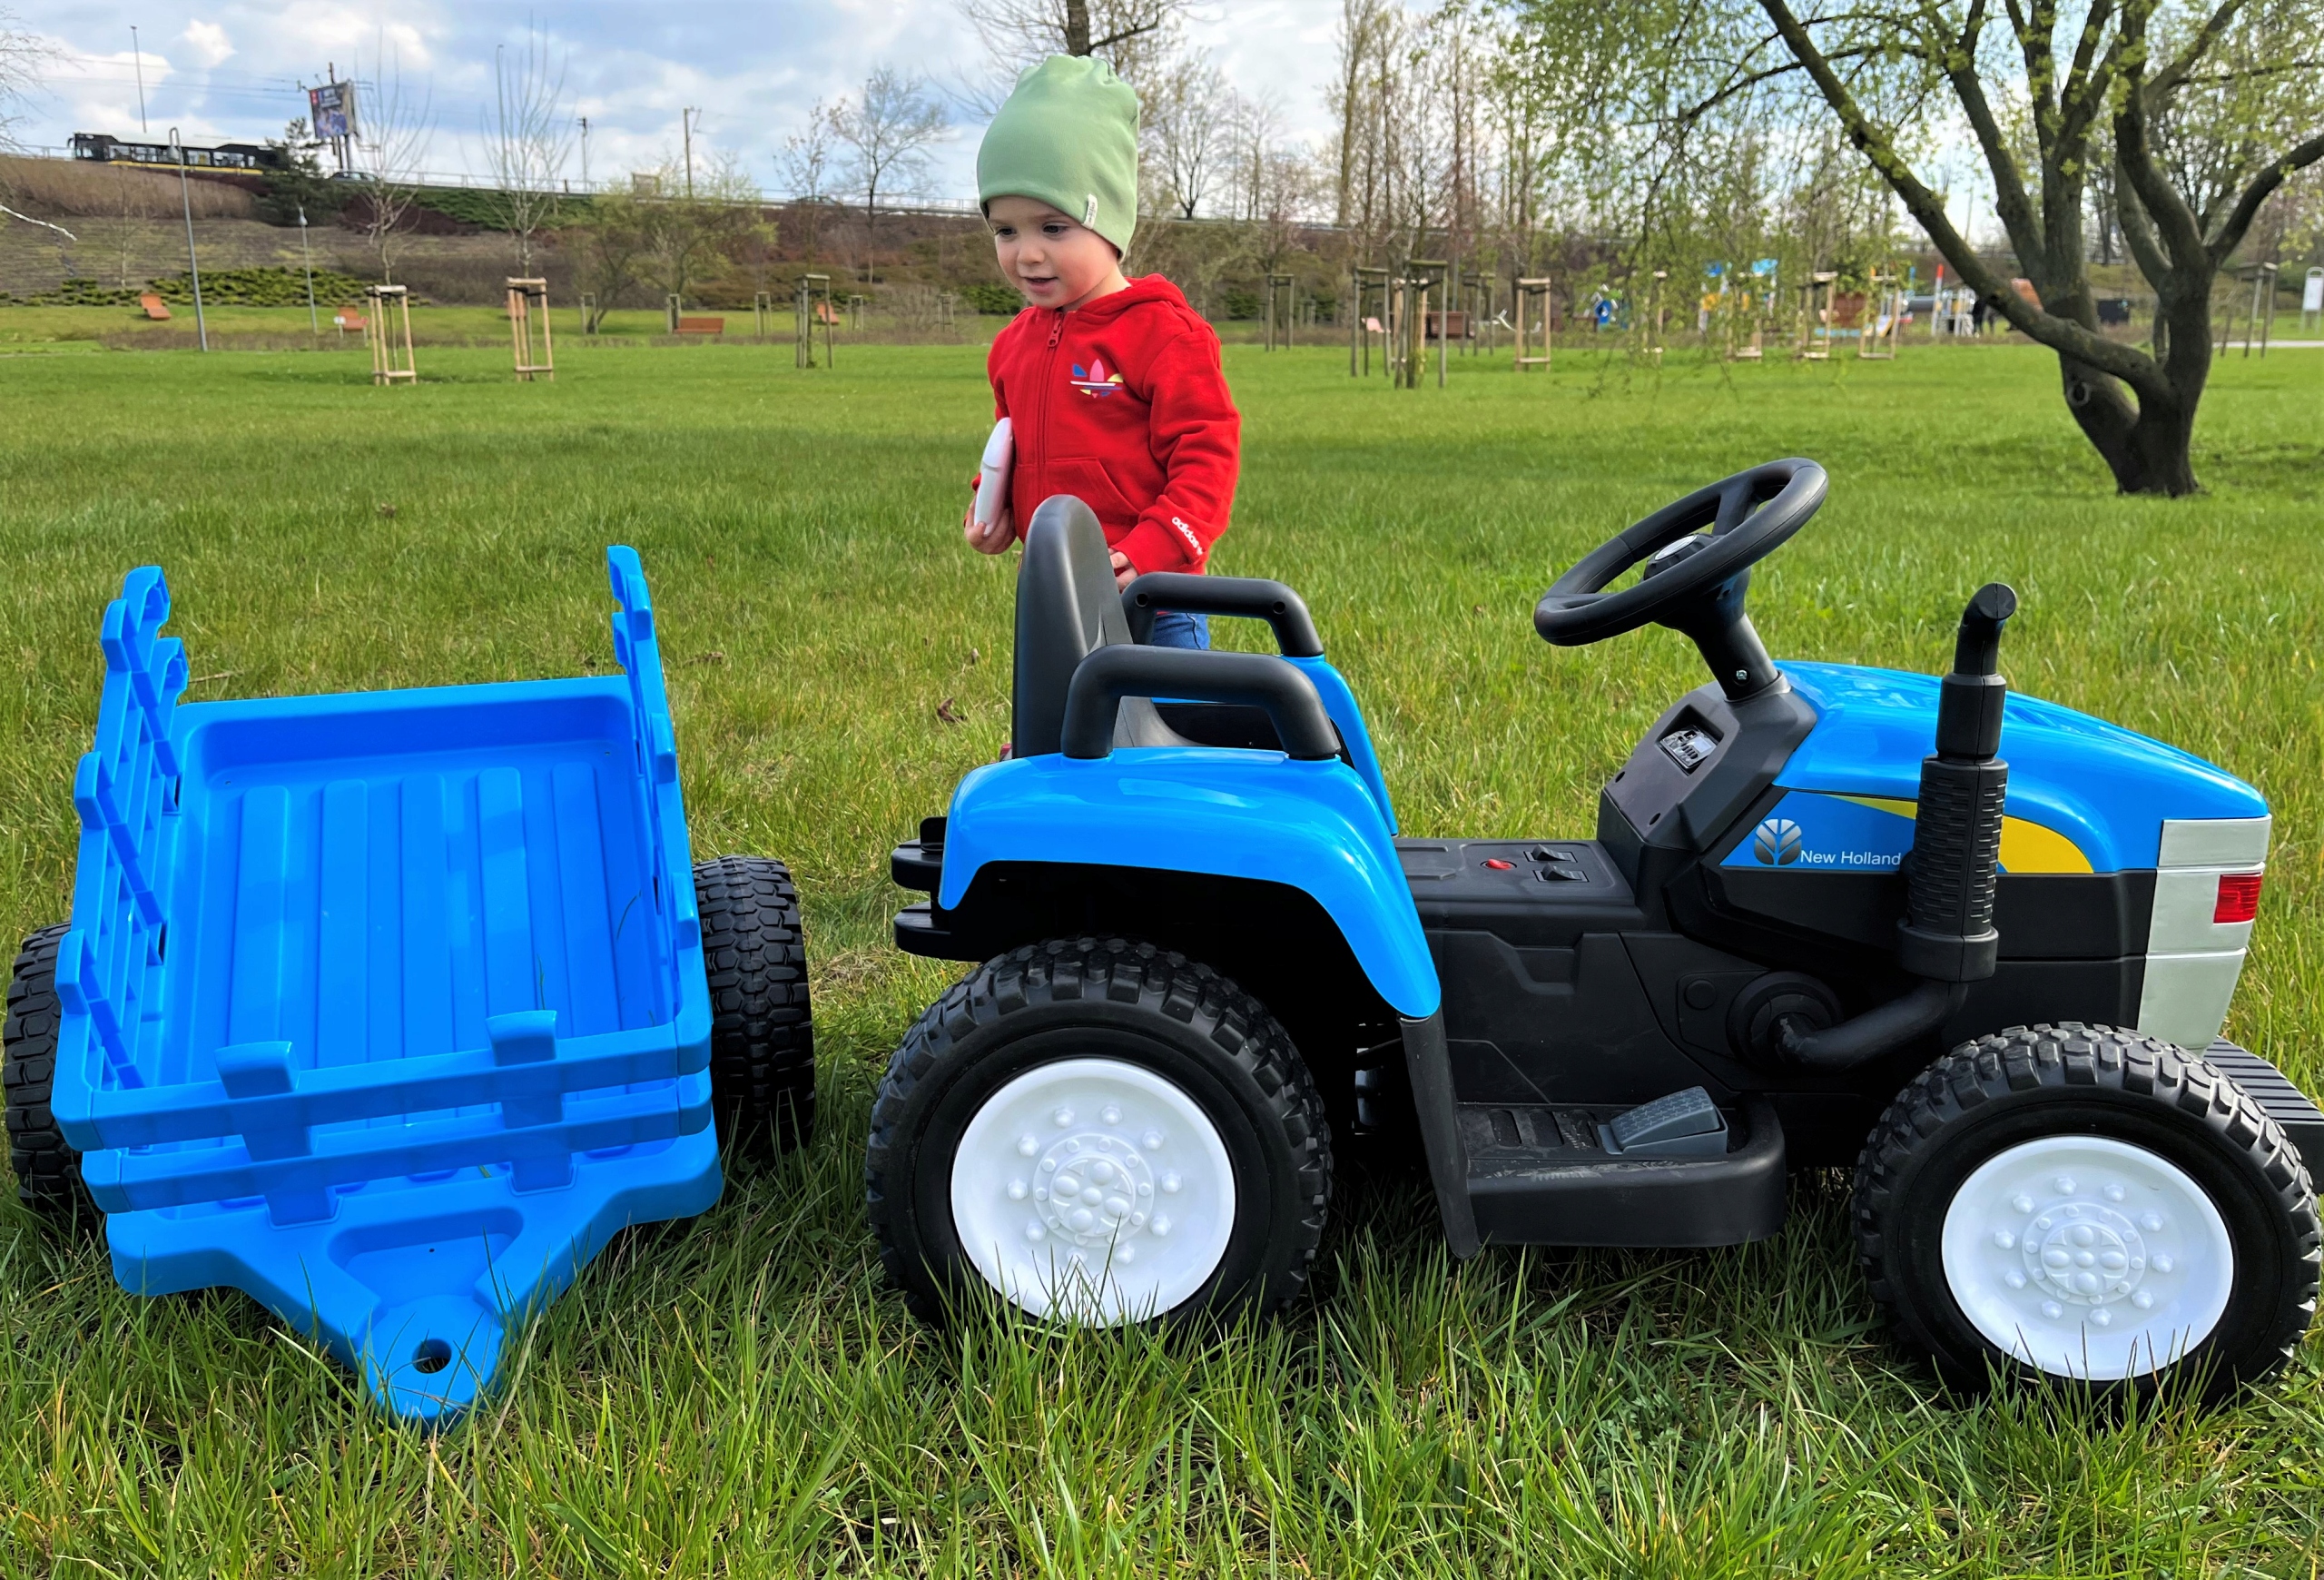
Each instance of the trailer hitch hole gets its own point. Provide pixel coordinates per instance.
(432, 1356)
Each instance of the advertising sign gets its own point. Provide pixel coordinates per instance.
(331, 111)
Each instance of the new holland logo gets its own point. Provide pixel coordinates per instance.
(1776, 842)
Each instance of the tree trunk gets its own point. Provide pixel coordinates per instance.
(1077, 26)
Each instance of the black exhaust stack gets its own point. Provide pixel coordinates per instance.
(1947, 937)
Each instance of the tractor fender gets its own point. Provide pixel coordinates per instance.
(1314, 826)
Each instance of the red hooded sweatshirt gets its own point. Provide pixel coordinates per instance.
(1122, 404)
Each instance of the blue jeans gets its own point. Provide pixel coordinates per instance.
(1172, 630)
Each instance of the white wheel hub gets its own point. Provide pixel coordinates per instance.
(2087, 1257)
(1093, 1190)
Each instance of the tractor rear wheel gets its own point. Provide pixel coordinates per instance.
(2089, 1206)
(1100, 1131)
(48, 1170)
(761, 1030)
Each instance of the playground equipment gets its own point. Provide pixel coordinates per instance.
(1369, 314)
(811, 305)
(1815, 321)
(1531, 295)
(1281, 307)
(389, 1009)
(1621, 1041)
(523, 294)
(386, 327)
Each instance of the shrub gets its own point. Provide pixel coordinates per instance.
(989, 297)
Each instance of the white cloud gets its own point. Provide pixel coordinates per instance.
(208, 41)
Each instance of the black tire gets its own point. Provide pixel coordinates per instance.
(1072, 998)
(48, 1170)
(2083, 1081)
(761, 1031)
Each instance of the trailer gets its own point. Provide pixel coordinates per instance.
(391, 1008)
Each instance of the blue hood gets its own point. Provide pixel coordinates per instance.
(2104, 788)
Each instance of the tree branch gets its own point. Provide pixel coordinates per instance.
(2064, 336)
(2176, 228)
(2232, 229)
(2138, 233)
(2168, 79)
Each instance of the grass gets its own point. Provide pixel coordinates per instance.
(743, 1393)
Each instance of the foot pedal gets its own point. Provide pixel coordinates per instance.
(1685, 1124)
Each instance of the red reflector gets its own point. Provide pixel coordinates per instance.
(2238, 898)
(1497, 865)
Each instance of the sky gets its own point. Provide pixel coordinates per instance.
(233, 72)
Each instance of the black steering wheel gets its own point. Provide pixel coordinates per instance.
(1695, 581)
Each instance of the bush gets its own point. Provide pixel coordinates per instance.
(1240, 304)
(1001, 301)
(257, 288)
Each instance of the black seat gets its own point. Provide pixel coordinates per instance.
(1068, 607)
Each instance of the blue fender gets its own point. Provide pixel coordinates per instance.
(1238, 814)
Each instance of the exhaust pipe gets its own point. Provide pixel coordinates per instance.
(1947, 937)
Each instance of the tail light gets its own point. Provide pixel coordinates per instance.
(2238, 898)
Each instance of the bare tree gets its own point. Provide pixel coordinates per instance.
(1187, 110)
(24, 58)
(397, 126)
(1020, 33)
(804, 165)
(527, 137)
(890, 127)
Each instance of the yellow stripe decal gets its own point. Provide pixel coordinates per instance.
(2026, 846)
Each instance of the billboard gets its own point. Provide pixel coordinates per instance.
(331, 111)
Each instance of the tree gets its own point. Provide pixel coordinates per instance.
(297, 183)
(24, 58)
(804, 165)
(399, 128)
(890, 127)
(2204, 113)
(612, 238)
(687, 238)
(1187, 115)
(528, 138)
(1022, 33)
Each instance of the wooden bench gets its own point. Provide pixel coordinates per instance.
(702, 326)
(155, 309)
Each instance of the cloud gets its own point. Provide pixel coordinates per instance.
(208, 41)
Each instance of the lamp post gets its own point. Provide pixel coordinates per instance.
(192, 263)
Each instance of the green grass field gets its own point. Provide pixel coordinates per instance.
(741, 1393)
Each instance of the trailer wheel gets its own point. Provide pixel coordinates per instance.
(48, 1170)
(2091, 1206)
(1100, 1131)
(762, 1032)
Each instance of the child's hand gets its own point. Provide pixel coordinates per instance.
(993, 540)
(1125, 572)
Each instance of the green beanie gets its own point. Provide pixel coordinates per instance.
(1068, 136)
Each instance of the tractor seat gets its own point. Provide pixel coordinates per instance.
(1068, 607)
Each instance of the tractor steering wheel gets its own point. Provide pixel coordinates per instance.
(1694, 582)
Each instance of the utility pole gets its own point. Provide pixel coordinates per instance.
(138, 55)
(585, 153)
(314, 326)
(192, 265)
(685, 132)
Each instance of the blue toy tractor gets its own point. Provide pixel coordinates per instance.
(1205, 956)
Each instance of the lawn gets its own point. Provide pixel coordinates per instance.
(741, 1392)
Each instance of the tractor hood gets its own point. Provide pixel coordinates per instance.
(2084, 795)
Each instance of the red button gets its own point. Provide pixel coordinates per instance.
(1497, 865)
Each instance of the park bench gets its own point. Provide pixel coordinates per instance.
(702, 326)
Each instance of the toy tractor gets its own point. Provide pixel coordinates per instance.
(1205, 954)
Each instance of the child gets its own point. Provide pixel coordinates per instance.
(1112, 385)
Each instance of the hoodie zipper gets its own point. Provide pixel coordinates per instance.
(1049, 386)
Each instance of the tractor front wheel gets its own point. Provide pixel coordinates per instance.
(1099, 1131)
(2091, 1206)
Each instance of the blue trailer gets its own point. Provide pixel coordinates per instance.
(391, 1008)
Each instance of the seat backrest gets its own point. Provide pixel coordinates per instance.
(1067, 607)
